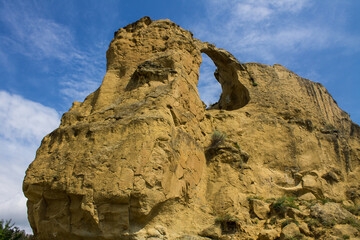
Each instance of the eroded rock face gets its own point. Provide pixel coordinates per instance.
(133, 160)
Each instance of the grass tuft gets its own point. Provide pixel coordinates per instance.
(217, 139)
(281, 205)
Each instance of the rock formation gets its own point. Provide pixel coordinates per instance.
(142, 157)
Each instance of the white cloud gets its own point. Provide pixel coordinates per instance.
(34, 36)
(251, 12)
(270, 31)
(245, 13)
(86, 75)
(23, 124)
(40, 38)
(25, 120)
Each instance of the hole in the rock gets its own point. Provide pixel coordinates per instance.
(209, 88)
(233, 94)
(229, 227)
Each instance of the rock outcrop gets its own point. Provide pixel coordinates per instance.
(142, 157)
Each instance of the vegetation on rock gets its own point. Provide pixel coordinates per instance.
(281, 205)
(217, 138)
(8, 231)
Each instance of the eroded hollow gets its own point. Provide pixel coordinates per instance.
(234, 94)
(209, 88)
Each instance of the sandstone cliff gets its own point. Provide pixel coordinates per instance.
(142, 158)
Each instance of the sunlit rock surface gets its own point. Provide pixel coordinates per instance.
(136, 159)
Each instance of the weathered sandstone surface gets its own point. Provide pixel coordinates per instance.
(138, 159)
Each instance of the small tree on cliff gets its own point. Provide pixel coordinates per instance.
(10, 232)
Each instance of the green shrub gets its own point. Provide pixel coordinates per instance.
(345, 237)
(326, 200)
(8, 231)
(328, 224)
(217, 139)
(309, 203)
(281, 205)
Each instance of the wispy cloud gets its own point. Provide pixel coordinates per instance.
(248, 11)
(85, 76)
(40, 38)
(35, 36)
(271, 30)
(23, 124)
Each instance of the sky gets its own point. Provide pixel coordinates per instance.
(54, 52)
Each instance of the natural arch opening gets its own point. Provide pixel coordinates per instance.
(209, 88)
(234, 94)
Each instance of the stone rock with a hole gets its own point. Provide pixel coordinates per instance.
(132, 155)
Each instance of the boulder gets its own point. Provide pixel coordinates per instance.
(290, 231)
(341, 230)
(260, 208)
(268, 234)
(330, 213)
(307, 197)
(304, 228)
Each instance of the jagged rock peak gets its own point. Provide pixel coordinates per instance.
(142, 157)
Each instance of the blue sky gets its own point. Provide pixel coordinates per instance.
(53, 53)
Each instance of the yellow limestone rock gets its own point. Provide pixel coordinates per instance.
(135, 159)
(259, 208)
